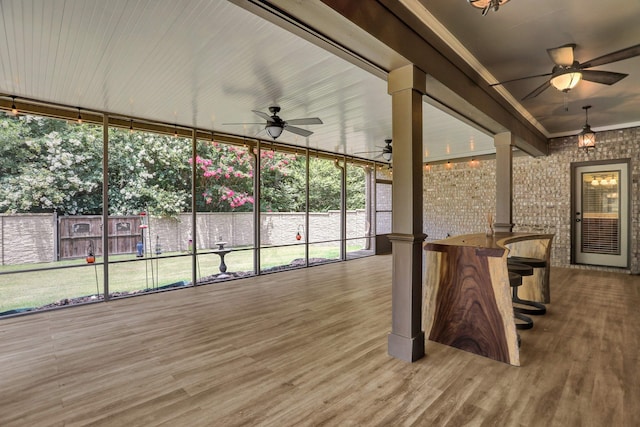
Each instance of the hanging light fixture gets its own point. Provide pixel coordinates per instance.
(131, 126)
(79, 116)
(14, 109)
(486, 5)
(587, 138)
(566, 80)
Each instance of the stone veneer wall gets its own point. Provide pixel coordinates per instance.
(457, 198)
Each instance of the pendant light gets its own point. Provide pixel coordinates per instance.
(587, 138)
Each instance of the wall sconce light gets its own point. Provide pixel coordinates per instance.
(14, 109)
(587, 138)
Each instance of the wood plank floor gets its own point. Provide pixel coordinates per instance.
(308, 347)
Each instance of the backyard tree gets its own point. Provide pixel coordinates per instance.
(148, 172)
(225, 179)
(51, 165)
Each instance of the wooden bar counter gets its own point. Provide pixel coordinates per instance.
(467, 296)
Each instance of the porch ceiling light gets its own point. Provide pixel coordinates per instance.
(587, 138)
(486, 5)
(566, 80)
(274, 130)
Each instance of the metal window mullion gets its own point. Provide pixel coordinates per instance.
(194, 245)
(105, 205)
(343, 210)
(306, 209)
(256, 209)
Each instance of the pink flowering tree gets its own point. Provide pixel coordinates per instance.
(225, 175)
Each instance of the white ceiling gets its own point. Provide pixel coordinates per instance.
(204, 63)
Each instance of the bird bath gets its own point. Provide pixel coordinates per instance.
(221, 252)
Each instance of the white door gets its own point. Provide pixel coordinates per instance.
(601, 215)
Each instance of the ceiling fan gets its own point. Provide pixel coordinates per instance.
(386, 154)
(275, 125)
(567, 72)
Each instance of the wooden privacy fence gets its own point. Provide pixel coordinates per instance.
(33, 238)
(77, 234)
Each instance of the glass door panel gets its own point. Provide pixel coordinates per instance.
(601, 215)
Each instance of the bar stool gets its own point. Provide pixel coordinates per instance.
(522, 321)
(523, 305)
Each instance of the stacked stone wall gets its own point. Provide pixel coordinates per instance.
(457, 197)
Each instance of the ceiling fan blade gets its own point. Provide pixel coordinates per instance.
(305, 121)
(367, 152)
(562, 55)
(537, 91)
(244, 123)
(263, 115)
(604, 77)
(298, 131)
(618, 55)
(520, 78)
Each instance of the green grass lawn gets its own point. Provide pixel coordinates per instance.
(40, 287)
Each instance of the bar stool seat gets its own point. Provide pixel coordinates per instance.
(519, 268)
(522, 321)
(531, 262)
(523, 305)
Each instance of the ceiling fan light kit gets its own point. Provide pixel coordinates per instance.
(587, 138)
(274, 130)
(386, 153)
(566, 81)
(487, 5)
(275, 125)
(567, 72)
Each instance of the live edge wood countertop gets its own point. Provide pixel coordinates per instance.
(466, 294)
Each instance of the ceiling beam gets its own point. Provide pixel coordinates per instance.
(454, 83)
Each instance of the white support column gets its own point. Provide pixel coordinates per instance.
(504, 143)
(406, 86)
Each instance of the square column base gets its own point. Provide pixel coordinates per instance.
(501, 227)
(405, 348)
